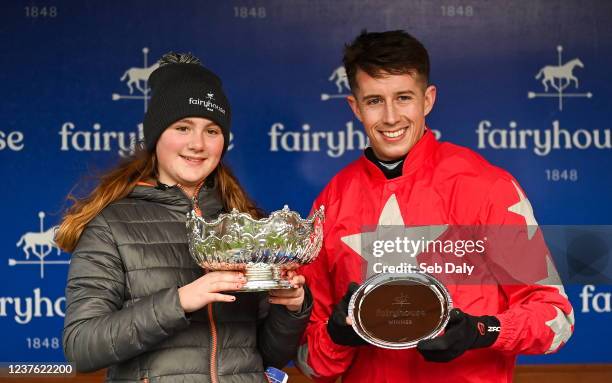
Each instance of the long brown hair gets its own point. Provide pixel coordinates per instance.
(120, 181)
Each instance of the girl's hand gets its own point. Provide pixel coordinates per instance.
(205, 289)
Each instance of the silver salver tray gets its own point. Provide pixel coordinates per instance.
(396, 311)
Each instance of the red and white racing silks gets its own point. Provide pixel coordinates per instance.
(441, 184)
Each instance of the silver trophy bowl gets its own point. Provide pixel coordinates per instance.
(262, 248)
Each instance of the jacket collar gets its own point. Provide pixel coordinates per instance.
(209, 199)
(417, 157)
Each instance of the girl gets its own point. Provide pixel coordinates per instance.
(136, 301)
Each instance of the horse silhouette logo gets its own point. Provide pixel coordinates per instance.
(137, 77)
(30, 240)
(559, 77)
(561, 72)
(339, 78)
(39, 244)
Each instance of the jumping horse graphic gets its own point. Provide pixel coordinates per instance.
(339, 75)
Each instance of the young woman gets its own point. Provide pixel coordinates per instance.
(136, 301)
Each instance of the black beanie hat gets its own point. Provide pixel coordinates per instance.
(182, 90)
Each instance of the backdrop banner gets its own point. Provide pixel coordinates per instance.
(525, 84)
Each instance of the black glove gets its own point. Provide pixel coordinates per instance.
(463, 332)
(340, 332)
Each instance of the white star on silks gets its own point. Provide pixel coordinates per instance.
(391, 222)
(523, 207)
(561, 324)
(390, 215)
(552, 277)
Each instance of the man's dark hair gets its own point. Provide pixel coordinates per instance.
(379, 53)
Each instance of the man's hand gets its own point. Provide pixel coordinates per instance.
(338, 325)
(463, 332)
(291, 298)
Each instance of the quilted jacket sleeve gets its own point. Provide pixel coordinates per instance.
(539, 318)
(280, 332)
(98, 330)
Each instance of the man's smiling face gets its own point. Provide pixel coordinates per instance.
(392, 109)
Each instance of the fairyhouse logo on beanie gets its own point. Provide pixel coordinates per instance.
(208, 104)
(181, 90)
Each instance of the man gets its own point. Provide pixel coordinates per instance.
(407, 176)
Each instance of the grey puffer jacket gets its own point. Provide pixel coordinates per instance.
(123, 310)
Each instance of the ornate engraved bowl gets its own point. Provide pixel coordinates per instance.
(262, 248)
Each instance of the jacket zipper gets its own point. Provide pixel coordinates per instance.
(213, 327)
(213, 345)
(194, 200)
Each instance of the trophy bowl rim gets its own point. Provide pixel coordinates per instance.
(235, 213)
(302, 248)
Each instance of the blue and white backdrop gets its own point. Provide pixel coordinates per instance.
(74, 90)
